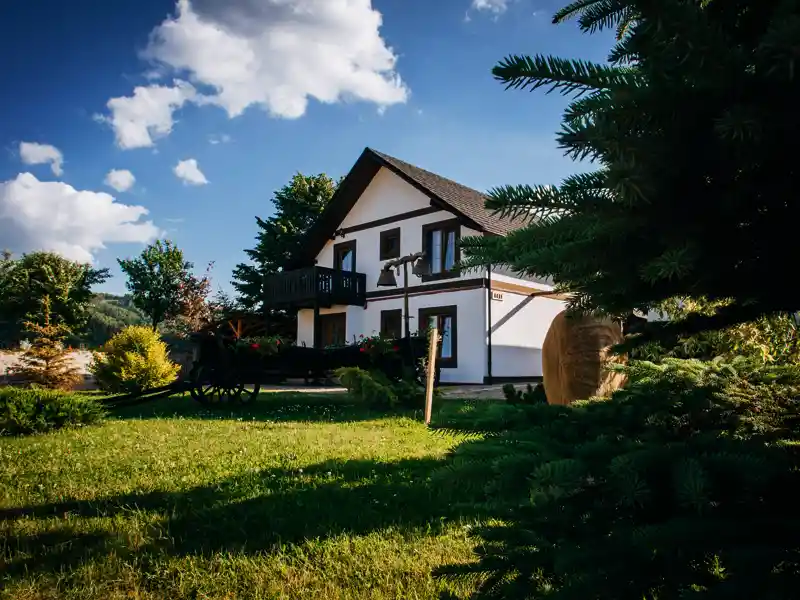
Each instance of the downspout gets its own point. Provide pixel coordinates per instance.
(489, 324)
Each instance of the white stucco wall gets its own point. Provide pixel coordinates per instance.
(520, 323)
(470, 319)
(388, 195)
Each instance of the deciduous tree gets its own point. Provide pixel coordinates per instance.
(27, 280)
(157, 279)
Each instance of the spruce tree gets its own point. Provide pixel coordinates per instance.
(47, 362)
(676, 486)
(690, 126)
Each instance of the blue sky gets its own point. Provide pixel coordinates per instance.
(231, 93)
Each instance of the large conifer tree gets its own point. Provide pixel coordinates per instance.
(297, 206)
(692, 126)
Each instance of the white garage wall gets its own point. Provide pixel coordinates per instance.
(519, 325)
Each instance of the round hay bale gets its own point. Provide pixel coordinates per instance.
(574, 356)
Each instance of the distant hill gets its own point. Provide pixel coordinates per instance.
(108, 314)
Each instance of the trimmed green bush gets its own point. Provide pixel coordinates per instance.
(376, 390)
(370, 388)
(133, 360)
(36, 410)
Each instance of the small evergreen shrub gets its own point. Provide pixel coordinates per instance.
(376, 390)
(531, 395)
(35, 410)
(135, 359)
(371, 388)
(47, 362)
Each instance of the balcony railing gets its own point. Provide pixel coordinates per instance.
(322, 286)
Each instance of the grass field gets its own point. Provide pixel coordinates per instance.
(297, 497)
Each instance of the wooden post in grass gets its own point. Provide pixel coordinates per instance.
(434, 333)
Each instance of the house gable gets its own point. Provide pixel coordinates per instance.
(388, 203)
(442, 193)
(386, 196)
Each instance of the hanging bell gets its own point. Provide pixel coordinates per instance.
(387, 278)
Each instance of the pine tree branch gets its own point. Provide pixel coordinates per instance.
(567, 76)
(527, 203)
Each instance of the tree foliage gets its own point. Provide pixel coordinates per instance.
(772, 339)
(27, 280)
(688, 125)
(196, 309)
(157, 279)
(674, 487)
(297, 206)
(47, 362)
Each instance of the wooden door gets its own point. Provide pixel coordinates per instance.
(333, 329)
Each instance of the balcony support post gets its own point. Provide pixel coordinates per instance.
(317, 332)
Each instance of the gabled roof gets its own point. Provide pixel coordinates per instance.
(444, 193)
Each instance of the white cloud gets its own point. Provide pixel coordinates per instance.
(51, 215)
(120, 179)
(275, 54)
(32, 153)
(190, 172)
(139, 119)
(219, 139)
(494, 6)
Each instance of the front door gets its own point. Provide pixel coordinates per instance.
(332, 329)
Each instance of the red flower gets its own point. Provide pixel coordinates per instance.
(395, 348)
(254, 346)
(277, 342)
(362, 349)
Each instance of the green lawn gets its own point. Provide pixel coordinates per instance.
(297, 497)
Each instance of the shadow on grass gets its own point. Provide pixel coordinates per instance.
(253, 513)
(269, 406)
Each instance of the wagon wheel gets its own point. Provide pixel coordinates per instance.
(208, 387)
(248, 395)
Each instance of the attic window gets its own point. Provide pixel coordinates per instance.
(390, 244)
(440, 242)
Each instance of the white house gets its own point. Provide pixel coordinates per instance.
(494, 322)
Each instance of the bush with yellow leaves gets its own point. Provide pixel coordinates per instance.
(134, 360)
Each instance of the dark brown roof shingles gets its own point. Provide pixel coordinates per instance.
(467, 201)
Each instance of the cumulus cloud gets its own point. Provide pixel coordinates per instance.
(189, 172)
(120, 179)
(51, 215)
(32, 153)
(275, 54)
(140, 119)
(494, 6)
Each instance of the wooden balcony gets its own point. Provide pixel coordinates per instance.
(315, 286)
